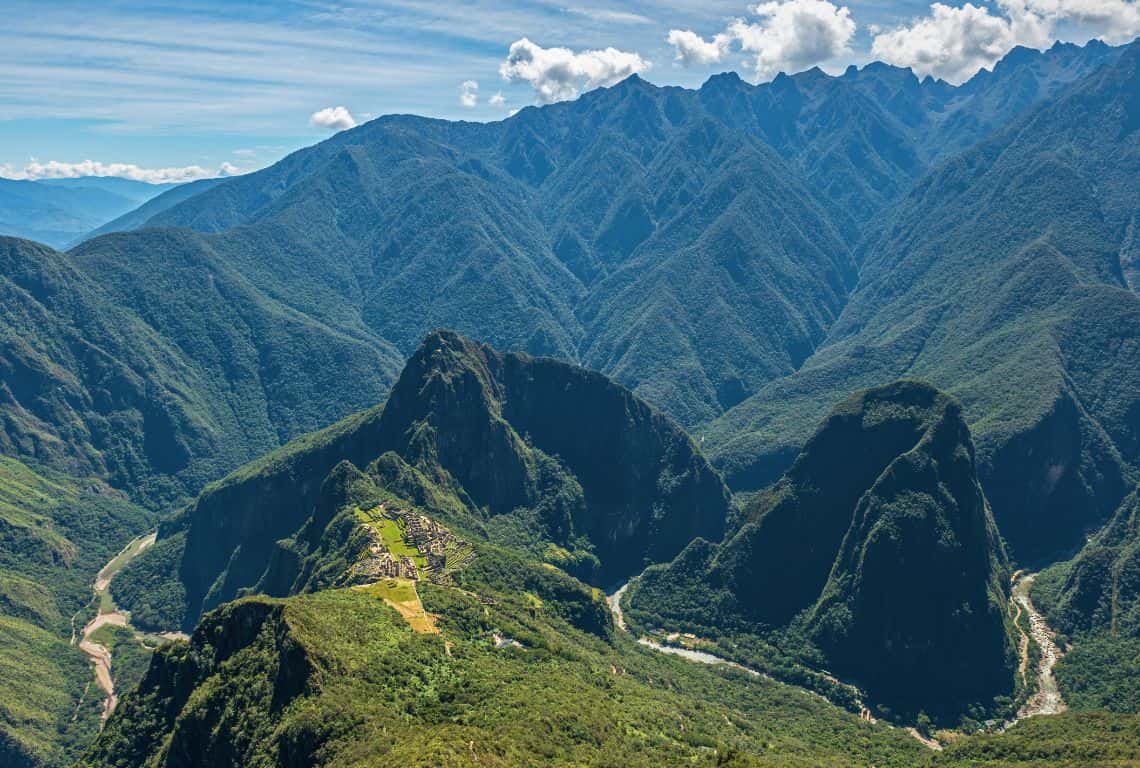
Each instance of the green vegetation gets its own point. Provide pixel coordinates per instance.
(392, 533)
(1093, 740)
(875, 557)
(130, 657)
(56, 532)
(523, 452)
(338, 678)
(998, 279)
(353, 685)
(44, 683)
(1094, 601)
(739, 247)
(1100, 673)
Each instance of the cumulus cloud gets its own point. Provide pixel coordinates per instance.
(794, 35)
(557, 74)
(469, 94)
(953, 43)
(786, 36)
(1114, 21)
(692, 49)
(55, 169)
(497, 100)
(333, 118)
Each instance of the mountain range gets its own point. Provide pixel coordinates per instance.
(60, 212)
(898, 318)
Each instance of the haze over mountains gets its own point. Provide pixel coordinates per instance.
(743, 259)
(60, 212)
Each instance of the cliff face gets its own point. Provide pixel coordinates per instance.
(1100, 589)
(878, 547)
(528, 452)
(793, 532)
(484, 421)
(916, 598)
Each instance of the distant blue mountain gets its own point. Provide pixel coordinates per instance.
(60, 211)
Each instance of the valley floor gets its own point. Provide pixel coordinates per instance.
(109, 615)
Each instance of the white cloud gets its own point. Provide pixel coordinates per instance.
(692, 49)
(497, 100)
(55, 169)
(788, 36)
(610, 16)
(332, 118)
(469, 94)
(1114, 21)
(794, 35)
(557, 74)
(955, 42)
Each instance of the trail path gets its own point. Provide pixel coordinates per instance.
(100, 656)
(1046, 700)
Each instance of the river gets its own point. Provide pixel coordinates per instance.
(1046, 700)
(100, 655)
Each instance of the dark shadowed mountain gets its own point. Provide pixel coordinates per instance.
(1099, 590)
(878, 546)
(1093, 600)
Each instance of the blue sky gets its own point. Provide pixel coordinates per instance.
(235, 85)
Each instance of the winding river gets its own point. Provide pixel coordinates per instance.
(1046, 700)
(99, 654)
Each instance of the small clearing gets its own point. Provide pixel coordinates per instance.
(401, 594)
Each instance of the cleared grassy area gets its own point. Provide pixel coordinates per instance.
(401, 594)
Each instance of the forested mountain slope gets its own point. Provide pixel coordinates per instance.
(877, 546)
(695, 245)
(737, 245)
(1094, 600)
(530, 453)
(505, 660)
(1001, 277)
(167, 370)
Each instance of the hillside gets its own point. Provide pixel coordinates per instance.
(151, 207)
(736, 260)
(499, 660)
(159, 397)
(338, 678)
(877, 548)
(529, 453)
(998, 278)
(1094, 600)
(695, 245)
(55, 534)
